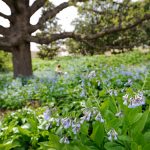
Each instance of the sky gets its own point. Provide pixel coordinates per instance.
(65, 17)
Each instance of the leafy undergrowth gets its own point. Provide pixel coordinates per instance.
(98, 103)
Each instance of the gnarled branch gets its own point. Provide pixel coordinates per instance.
(8, 2)
(117, 28)
(4, 31)
(48, 15)
(4, 45)
(36, 5)
(51, 13)
(76, 36)
(53, 37)
(4, 16)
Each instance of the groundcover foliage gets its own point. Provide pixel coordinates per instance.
(98, 103)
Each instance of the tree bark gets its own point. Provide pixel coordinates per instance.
(22, 60)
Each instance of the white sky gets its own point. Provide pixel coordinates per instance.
(65, 17)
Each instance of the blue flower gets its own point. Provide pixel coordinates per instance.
(75, 127)
(86, 117)
(47, 114)
(83, 93)
(66, 122)
(112, 135)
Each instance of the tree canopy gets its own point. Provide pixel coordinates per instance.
(99, 15)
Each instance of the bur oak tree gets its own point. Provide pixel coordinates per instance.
(17, 38)
(97, 15)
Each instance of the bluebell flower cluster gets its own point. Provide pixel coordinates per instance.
(132, 102)
(112, 135)
(113, 92)
(90, 114)
(47, 114)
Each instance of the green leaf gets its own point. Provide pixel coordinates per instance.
(98, 133)
(147, 136)
(133, 115)
(84, 128)
(135, 118)
(24, 131)
(124, 138)
(113, 146)
(8, 145)
(139, 126)
(115, 123)
(146, 147)
(134, 146)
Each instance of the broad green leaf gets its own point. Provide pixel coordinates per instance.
(124, 138)
(113, 146)
(146, 147)
(8, 145)
(147, 136)
(98, 133)
(139, 125)
(24, 131)
(84, 128)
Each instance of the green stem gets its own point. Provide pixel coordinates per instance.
(114, 102)
(145, 79)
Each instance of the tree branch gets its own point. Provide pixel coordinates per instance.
(6, 48)
(53, 37)
(117, 28)
(51, 13)
(48, 15)
(4, 31)
(4, 45)
(36, 5)
(8, 2)
(82, 37)
(4, 16)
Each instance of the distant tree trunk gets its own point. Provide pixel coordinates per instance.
(22, 64)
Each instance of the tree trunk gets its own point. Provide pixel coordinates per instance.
(22, 65)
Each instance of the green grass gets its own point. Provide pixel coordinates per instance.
(130, 58)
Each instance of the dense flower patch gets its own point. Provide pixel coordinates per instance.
(92, 106)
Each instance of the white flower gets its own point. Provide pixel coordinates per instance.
(99, 117)
(119, 114)
(92, 74)
(57, 122)
(125, 99)
(110, 138)
(112, 134)
(64, 140)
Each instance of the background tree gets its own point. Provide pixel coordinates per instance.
(50, 27)
(16, 38)
(97, 15)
